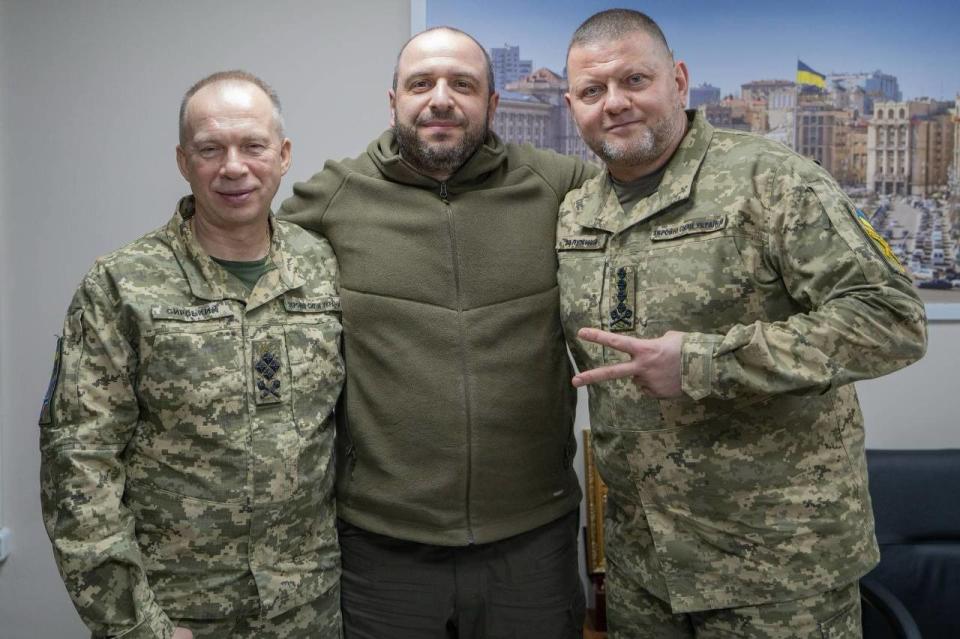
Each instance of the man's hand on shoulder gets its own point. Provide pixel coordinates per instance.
(654, 363)
(181, 633)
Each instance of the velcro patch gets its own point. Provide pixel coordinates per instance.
(623, 302)
(879, 241)
(311, 305)
(689, 227)
(581, 243)
(213, 310)
(268, 384)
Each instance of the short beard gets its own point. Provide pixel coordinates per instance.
(651, 143)
(433, 159)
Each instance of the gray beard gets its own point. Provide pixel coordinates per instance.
(430, 159)
(645, 148)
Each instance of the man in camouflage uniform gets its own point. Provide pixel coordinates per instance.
(187, 436)
(726, 293)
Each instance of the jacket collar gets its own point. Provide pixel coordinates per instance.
(604, 211)
(385, 154)
(209, 281)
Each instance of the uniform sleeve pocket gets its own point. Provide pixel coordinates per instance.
(875, 256)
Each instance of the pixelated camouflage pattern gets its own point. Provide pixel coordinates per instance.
(317, 619)
(167, 489)
(634, 613)
(751, 487)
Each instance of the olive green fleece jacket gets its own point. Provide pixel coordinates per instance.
(456, 423)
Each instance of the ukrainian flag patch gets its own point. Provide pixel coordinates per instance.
(879, 241)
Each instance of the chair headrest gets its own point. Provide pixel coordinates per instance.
(915, 494)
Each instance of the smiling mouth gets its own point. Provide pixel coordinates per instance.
(236, 197)
(622, 125)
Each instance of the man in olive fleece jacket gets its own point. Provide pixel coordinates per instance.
(457, 496)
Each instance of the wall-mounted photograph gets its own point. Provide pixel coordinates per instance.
(868, 90)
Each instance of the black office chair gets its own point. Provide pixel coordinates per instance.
(884, 616)
(917, 510)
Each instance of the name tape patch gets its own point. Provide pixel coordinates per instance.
(312, 305)
(213, 310)
(581, 243)
(690, 227)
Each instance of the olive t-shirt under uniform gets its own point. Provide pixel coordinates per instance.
(629, 193)
(246, 272)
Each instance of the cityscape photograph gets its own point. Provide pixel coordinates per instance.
(868, 90)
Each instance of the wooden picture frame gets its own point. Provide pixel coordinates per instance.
(596, 500)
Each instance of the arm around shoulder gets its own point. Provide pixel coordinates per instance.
(564, 172)
(310, 199)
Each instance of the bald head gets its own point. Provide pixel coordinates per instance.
(439, 36)
(616, 24)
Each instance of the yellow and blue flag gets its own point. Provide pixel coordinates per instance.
(806, 75)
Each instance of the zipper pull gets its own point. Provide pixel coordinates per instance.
(443, 191)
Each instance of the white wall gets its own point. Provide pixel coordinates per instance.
(4, 270)
(89, 93)
(918, 407)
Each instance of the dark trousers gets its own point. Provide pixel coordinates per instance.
(522, 587)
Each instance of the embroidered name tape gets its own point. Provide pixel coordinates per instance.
(312, 305)
(213, 310)
(581, 243)
(690, 227)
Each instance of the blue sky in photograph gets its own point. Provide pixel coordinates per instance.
(729, 43)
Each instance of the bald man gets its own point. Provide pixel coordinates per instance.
(457, 498)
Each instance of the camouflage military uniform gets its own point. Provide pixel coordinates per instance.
(751, 488)
(187, 439)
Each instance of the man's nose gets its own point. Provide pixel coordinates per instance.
(233, 164)
(615, 101)
(441, 98)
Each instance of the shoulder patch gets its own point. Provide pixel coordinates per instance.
(879, 241)
(45, 410)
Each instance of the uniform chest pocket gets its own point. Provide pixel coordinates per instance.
(581, 279)
(192, 438)
(316, 367)
(702, 282)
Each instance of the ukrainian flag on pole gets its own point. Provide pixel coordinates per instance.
(806, 75)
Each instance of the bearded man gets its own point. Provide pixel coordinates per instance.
(457, 499)
(726, 294)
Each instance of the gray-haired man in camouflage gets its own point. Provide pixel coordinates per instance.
(187, 435)
(725, 294)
